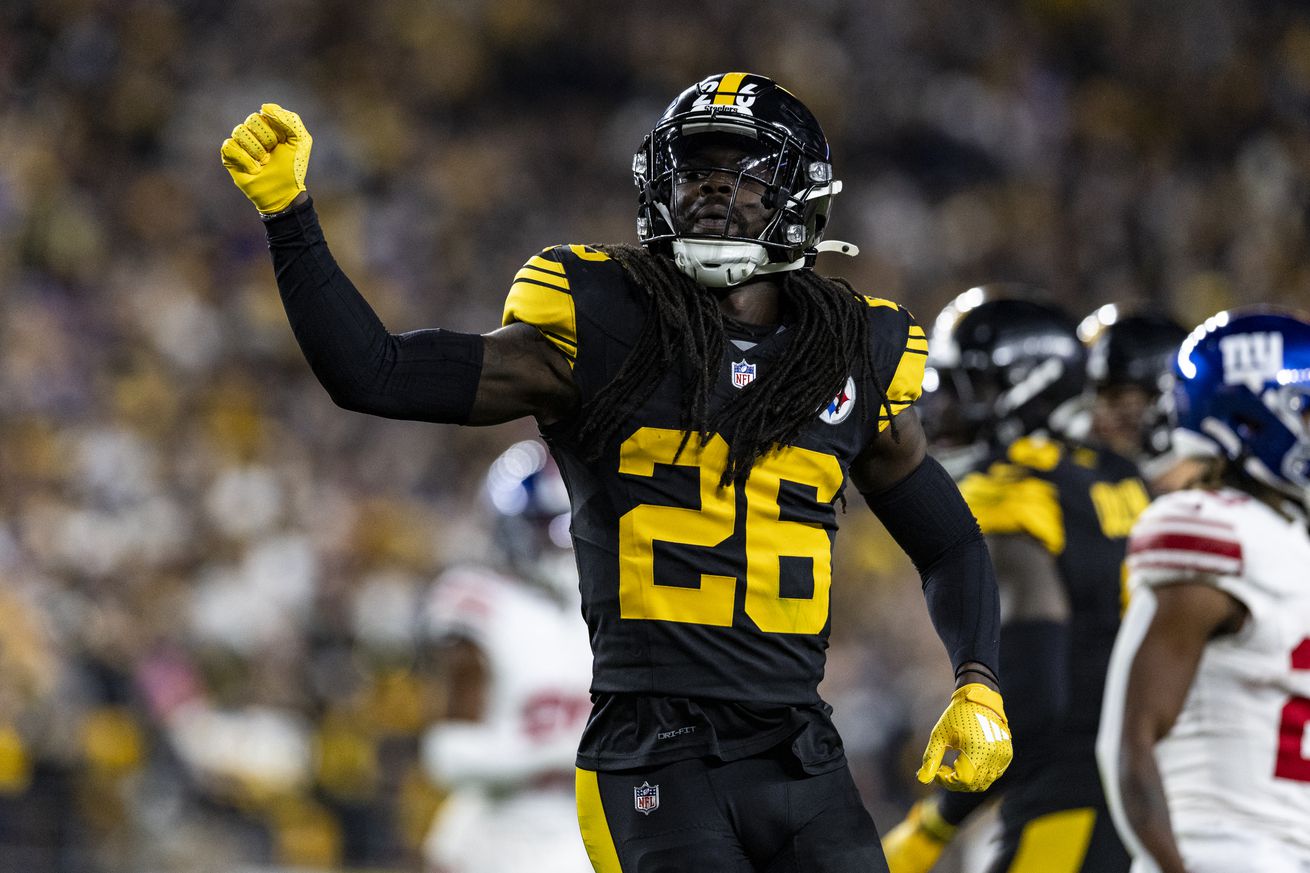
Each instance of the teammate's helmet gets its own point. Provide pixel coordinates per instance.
(1130, 347)
(784, 151)
(1242, 392)
(1009, 358)
(529, 505)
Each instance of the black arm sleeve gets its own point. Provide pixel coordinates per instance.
(428, 375)
(928, 518)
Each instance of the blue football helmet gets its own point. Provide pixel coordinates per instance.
(1242, 392)
(529, 506)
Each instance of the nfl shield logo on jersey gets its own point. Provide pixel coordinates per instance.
(646, 798)
(742, 374)
(839, 408)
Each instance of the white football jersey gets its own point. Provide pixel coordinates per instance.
(537, 652)
(1238, 758)
(512, 806)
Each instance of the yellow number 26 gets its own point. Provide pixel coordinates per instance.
(768, 537)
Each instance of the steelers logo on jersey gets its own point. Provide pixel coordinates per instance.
(839, 408)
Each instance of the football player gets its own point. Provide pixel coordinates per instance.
(708, 396)
(517, 664)
(1204, 743)
(1130, 354)
(1056, 511)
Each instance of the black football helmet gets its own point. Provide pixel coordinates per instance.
(783, 151)
(1006, 360)
(1130, 347)
(1135, 348)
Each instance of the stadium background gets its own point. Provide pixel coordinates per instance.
(209, 658)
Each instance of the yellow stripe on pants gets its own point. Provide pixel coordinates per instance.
(591, 821)
(1054, 843)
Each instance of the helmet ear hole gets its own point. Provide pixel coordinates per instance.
(1247, 427)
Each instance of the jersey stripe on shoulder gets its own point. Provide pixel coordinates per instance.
(1007, 499)
(540, 296)
(1187, 544)
(906, 384)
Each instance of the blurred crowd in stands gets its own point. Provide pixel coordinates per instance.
(212, 580)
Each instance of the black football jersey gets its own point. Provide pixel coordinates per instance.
(1080, 503)
(689, 589)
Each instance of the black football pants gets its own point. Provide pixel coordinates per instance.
(1055, 821)
(757, 815)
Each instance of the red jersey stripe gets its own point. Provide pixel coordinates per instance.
(1153, 564)
(1191, 519)
(1149, 541)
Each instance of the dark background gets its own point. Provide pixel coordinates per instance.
(209, 575)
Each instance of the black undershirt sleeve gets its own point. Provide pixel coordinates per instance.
(426, 375)
(928, 518)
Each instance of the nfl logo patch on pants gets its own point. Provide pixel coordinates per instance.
(646, 798)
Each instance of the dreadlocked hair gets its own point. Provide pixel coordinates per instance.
(684, 332)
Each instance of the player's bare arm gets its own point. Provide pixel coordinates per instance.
(1035, 634)
(1187, 616)
(522, 374)
(466, 679)
(1028, 579)
(891, 455)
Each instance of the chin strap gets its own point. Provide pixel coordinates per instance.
(836, 245)
(723, 264)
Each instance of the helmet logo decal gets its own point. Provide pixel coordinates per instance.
(742, 373)
(728, 93)
(1251, 359)
(840, 407)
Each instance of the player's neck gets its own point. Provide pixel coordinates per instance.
(757, 302)
(1281, 503)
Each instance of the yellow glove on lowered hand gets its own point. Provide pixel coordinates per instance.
(914, 845)
(268, 155)
(974, 724)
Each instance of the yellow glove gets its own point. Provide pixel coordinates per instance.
(915, 844)
(974, 724)
(268, 155)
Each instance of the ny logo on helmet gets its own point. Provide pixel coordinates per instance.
(1252, 359)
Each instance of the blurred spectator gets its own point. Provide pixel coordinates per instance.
(207, 574)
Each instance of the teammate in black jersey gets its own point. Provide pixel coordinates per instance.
(1056, 511)
(708, 396)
